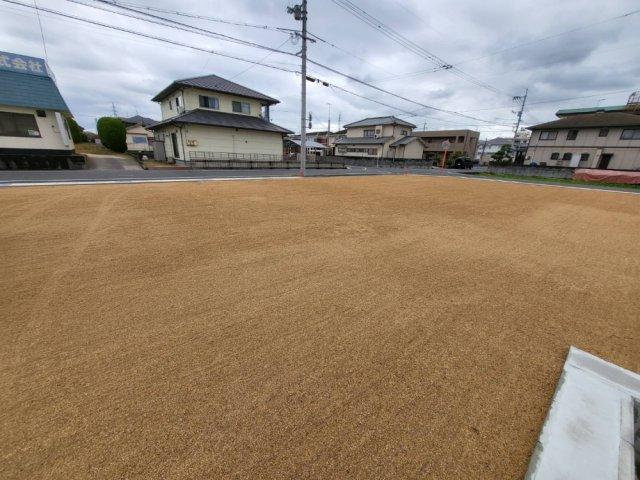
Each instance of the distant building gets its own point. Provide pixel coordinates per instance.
(603, 140)
(33, 114)
(487, 148)
(463, 142)
(372, 137)
(139, 137)
(208, 118)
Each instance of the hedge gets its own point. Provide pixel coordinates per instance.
(112, 133)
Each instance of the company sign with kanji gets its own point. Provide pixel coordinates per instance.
(22, 64)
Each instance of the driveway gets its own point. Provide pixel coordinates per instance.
(111, 162)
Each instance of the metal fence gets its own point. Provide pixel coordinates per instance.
(250, 161)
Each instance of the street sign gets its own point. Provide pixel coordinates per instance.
(446, 145)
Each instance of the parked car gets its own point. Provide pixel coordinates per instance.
(463, 163)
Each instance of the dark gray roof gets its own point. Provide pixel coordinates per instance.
(404, 141)
(592, 120)
(362, 140)
(25, 90)
(221, 119)
(138, 120)
(373, 121)
(498, 141)
(215, 84)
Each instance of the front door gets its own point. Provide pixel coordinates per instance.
(605, 158)
(174, 142)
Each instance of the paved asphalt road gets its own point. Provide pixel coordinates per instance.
(16, 177)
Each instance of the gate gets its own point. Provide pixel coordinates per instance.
(158, 150)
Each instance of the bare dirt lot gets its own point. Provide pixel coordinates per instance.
(380, 327)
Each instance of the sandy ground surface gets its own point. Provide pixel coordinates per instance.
(378, 327)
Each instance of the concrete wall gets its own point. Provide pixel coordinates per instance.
(51, 137)
(525, 171)
(190, 99)
(626, 153)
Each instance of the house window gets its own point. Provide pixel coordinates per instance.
(177, 102)
(460, 139)
(548, 135)
(209, 102)
(572, 134)
(18, 125)
(566, 157)
(139, 139)
(41, 113)
(584, 157)
(603, 132)
(368, 133)
(241, 107)
(555, 156)
(404, 132)
(170, 104)
(630, 134)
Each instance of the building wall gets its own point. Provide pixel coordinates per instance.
(626, 153)
(138, 131)
(461, 141)
(51, 136)
(373, 150)
(190, 99)
(411, 150)
(221, 140)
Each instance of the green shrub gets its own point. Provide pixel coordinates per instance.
(77, 132)
(112, 133)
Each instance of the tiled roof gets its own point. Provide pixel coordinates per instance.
(215, 84)
(221, 119)
(138, 120)
(592, 120)
(579, 111)
(362, 140)
(373, 121)
(24, 90)
(404, 141)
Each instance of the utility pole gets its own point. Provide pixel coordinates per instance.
(300, 13)
(113, 109)
(339, 120)
(329, 122)
(519, 114)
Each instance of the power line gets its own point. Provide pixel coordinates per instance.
(200, 31)
(397, 37)
(519, 45)
(201, 17)
(258, 62)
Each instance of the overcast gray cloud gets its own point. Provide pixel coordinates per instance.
(96, 67)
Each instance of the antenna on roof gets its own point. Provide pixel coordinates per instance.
(44, 44)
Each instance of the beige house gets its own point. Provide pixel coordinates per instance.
(604, 140)
(209, 118)
(139, 137)
(407, 148)
(373, 137)
(463, 141)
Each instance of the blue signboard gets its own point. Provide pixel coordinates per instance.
(23, 64)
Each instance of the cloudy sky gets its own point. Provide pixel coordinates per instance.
(559, 50)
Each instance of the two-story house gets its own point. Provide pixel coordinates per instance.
(209, 118)
(603, 140)
(372, 137)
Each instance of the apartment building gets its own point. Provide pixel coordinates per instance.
(464, 142)
(372, 137)
(603, 140)
(210, 117)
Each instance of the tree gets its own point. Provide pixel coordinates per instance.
(502, 157)
(77, 132)
(112, 133)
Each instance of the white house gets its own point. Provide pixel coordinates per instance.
(139, 137)
(209, 118)
(33, 125)
(373, 137)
